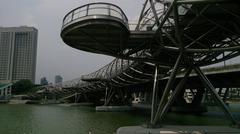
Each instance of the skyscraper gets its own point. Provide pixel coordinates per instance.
(58, 79)
(44, 81)
(18, 52)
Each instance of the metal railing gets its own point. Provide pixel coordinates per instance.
(95, 9)
(163, 19)
(114, 68)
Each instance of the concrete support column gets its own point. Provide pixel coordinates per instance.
(5, 91)
(2, 92)
(220, 91)
(10, 91)
(238, 92)
(76, 98)
(226, 94)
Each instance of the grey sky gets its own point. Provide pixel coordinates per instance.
(54, 57)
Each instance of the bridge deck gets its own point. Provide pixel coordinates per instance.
(200, 27)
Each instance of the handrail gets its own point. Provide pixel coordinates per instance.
(114, 68)
(84, 11)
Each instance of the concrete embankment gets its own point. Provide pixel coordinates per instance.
(4, 101)
(18, 101)
(114, 108)
(76, 104)
(23, 102)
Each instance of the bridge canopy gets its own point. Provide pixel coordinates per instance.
(3, 86)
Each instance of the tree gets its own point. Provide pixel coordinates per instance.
(22, 86)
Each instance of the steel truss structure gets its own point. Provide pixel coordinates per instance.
(170, 36)
(189, 28)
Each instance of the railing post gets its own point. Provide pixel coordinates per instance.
(72, 16)
(87, 10)
(109, 10)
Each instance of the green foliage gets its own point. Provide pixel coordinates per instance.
(22, 86)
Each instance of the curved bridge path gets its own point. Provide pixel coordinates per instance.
(171, 37)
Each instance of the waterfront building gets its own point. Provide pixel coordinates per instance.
(5, 91)
(44, 81)
(18, 52)
(58, 79)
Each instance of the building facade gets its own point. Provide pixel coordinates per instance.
(44, 81)
(18, 52)
(58, 79)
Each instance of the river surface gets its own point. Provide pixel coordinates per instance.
(54, 119)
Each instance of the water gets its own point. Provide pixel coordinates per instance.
(53, 119)
(31, 119)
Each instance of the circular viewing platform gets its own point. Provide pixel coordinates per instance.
(97, 28)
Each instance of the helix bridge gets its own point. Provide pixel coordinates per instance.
(171, 37)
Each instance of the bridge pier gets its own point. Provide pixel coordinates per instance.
(78, 99)
(226, 94)
(156, 128)
(116, 96)
(163, 107)
(165, 102)
(210, 87)
(189, 101)
(116, 99)
(158, 111)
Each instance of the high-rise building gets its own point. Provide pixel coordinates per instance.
(44, 81)
(58, 79)
(18, 52)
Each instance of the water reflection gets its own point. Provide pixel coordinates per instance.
(53, 119)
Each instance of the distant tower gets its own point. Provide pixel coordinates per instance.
(44, 81)
(58, 79)
(18, 52)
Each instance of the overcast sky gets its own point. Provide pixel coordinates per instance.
(54, 57)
